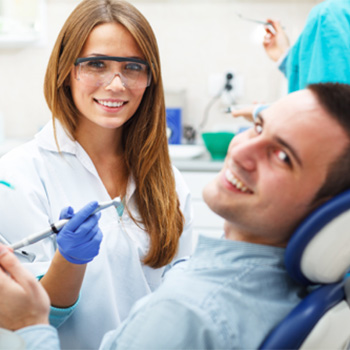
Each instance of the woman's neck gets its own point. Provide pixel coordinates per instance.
(100, 141)
(104, 147)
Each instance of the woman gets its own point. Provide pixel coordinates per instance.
(108, 139)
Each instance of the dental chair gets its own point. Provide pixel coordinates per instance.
(318, 255)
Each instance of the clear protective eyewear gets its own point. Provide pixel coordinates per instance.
(101, 70)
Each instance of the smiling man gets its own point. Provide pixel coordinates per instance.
(274, 171)
(232, 291)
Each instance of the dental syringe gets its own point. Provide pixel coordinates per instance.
(54, 228)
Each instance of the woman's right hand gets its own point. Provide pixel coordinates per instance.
(80, 238)
(277, 43)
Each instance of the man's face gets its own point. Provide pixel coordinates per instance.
(273, 171)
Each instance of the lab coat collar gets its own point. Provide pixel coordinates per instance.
(46, 140)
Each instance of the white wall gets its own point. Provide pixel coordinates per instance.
(196, 39)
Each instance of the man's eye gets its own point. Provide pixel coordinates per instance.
(258, 128)
(283, 156)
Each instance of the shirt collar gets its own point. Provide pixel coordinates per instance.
(225, 252)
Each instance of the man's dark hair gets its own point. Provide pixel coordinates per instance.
(335, 99)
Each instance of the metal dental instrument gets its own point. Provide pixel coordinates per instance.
(58, 225)
(271, 28)
(29, 256)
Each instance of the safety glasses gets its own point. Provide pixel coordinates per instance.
(101, 70)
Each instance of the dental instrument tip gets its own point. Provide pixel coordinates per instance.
(103, 205)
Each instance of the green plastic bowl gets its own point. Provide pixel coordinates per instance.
(217, 143)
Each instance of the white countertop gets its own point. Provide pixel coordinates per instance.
(194, 158)
(203, 163)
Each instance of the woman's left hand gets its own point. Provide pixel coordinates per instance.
(80, 238)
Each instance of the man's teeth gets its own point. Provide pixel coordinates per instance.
(235, 182)
(110, 103)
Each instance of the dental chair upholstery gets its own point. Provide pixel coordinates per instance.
(318, 255)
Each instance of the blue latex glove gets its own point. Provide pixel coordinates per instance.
(79, 239)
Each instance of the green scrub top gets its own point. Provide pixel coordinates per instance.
(322, 52)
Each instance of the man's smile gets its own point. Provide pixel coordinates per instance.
(232, 179)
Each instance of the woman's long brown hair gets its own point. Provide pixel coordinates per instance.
(144, 135)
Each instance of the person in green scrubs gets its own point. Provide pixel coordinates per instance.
(322, 51)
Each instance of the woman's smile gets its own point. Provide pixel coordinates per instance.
(111, 105)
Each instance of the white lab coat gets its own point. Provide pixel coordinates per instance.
(45, 181)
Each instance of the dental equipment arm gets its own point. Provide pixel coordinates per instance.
(56, 227)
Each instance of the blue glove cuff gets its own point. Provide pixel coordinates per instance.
(74, 260)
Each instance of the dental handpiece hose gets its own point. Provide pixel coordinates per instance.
(54, 228)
